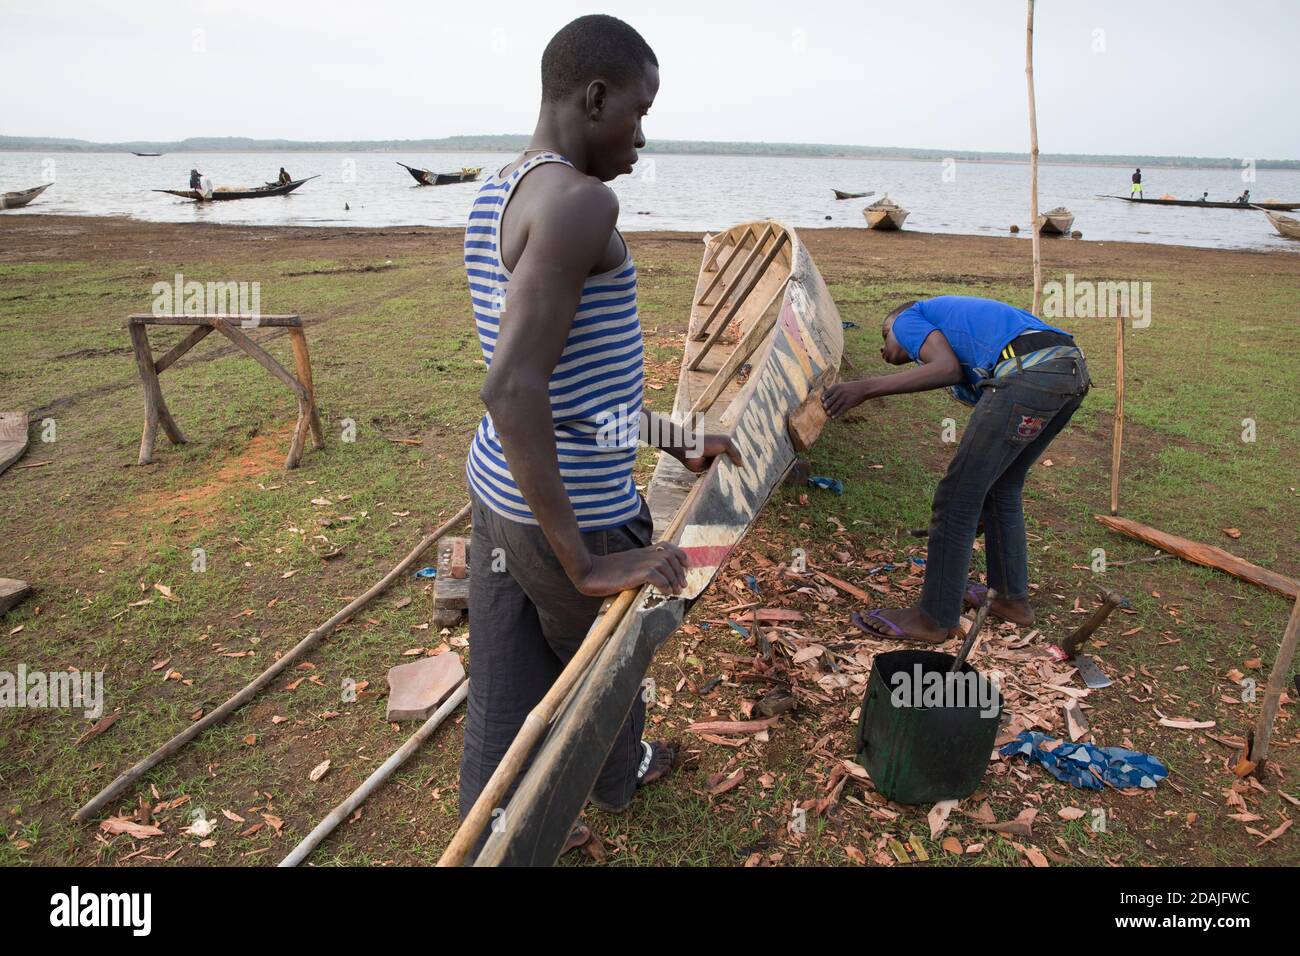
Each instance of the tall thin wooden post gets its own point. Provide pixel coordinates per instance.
(1117, 428)
(1033, 163)
(1273, 695)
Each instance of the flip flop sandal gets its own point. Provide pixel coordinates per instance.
(874, 615)
(644, 772)
(578, 836)
(976, 594)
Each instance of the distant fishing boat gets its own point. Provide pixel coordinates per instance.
(1056, 222)
(15, 200)
(225, 192)
(1288, 227)
(840, 194)
(885, 214)
(134, 153)
(426, 177)
(1273, 204)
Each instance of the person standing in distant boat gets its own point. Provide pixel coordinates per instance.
(558, 522)
(196, 179)
(285, 178)
(1136, 191)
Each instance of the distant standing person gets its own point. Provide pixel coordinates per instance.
(195, 179)
(284, 177)
(1136, 191)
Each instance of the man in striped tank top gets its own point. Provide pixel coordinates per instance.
(558, 522)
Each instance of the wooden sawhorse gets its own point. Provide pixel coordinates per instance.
(232, 327)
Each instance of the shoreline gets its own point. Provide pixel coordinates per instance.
(59, 224)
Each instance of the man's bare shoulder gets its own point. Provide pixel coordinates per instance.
(562, 198)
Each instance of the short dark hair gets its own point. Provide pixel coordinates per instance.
(899, 311)
(592, 46)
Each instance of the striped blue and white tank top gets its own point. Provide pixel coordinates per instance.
(596, 388)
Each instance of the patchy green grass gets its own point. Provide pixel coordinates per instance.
(395, 356)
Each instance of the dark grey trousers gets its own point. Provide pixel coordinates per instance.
(526, 620)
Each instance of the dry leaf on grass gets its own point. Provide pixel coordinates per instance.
(319, 770)
(126, 825)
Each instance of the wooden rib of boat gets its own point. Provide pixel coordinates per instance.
(21, 198)
(1285, 225)
(1056, 222)
(1277, 206)
(13, 437)
(841, 194)
(426, 177)
(257, 192)
(759, 301)
(885, 214)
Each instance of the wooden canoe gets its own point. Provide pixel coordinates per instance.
(1056, 222)
(427, 177)
(758, 301)
(134, 153)
(257, 192)
(13, 437)
(885, 214)
(22, 198)
(841, 194)
(1197, 204)
(1285, 225)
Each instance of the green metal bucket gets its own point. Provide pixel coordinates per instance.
(923, 741)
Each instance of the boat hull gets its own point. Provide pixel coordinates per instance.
(800, 351)
(218, 196)
(840, 194)
(1055, 225)
(427, 177)
(1194, 204)
(886, 220)
(1285, 225)
(19, 199)
(13, 437)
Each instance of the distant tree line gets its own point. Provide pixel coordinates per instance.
(512, 142)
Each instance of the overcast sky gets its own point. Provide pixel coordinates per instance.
(1186, 77)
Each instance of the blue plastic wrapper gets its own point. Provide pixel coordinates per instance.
(427, 573)
(1075, 763)
(829, 484)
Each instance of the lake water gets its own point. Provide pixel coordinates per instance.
(693, 193)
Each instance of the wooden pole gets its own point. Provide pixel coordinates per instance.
(1273, 695)
(532, 731)
(1117, 431)
(376, 779)
(1033, 163)
(539, 718)
(308, 643)
(1205, 554)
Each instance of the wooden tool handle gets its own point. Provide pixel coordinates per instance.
(1109, 601)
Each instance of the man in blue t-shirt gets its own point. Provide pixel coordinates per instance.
(1025, 379)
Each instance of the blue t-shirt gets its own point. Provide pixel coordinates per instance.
(976, 329)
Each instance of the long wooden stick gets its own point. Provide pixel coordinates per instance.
(1276, 678)
(539, 718)
(1205, 554)
(532, 731)
(1033, 163)
(1117, 430)
(376, 779)
(308, 643)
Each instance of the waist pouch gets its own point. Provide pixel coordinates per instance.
(969, 394)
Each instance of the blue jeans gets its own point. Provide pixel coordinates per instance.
(1014, 421)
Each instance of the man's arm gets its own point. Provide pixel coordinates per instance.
(939, 368)
(568, 230)
(694, 449)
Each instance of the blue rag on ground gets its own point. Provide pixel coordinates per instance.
(1080, 764)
